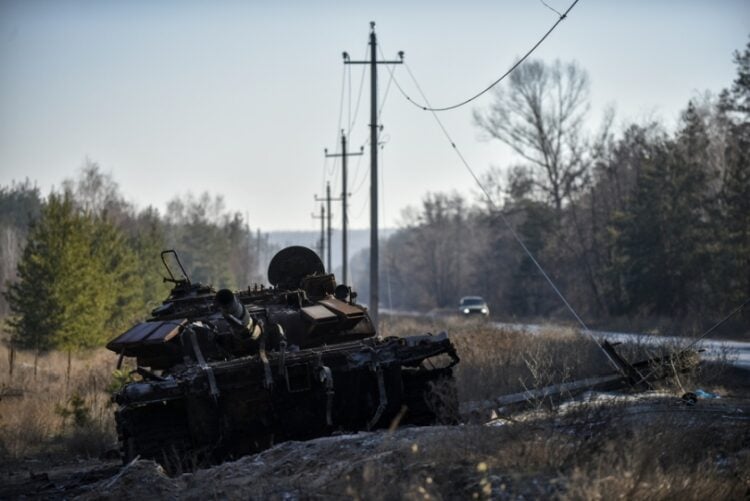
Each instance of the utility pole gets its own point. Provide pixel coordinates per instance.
(374, 254)
(322, 218)
(328, 201)
(344, 195)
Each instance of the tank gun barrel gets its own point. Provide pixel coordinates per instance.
(231, 307)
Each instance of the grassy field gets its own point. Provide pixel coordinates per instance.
(47, 411)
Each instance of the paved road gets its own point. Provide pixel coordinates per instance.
(736, 352)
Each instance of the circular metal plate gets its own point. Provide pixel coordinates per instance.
(289, 266)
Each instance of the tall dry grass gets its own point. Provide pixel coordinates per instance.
(44, 409)
(661, 450)
(595, 455)
(54, 413)
(497, 361)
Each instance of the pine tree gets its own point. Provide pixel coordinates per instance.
(77, 280)
(118, 273)
(146, 238)
(660, 238)
(56, 241)
(735, 194)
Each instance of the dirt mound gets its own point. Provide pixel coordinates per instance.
(538, 455)
(137, 480)
(330, 466)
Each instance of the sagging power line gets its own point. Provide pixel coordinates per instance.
(426, 106)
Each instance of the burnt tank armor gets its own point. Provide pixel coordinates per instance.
(220, 374)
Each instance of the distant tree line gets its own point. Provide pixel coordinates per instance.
(82, 264)
(646, 222)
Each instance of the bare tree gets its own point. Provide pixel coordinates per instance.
(97, 193)
(540, 116)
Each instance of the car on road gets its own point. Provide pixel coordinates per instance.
(473, 305)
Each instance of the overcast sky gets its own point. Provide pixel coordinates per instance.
(241, 98)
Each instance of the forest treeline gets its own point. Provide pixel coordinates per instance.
(81, 264)
(646, 222)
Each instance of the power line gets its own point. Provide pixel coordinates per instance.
(349, 116)
(382, 213)
(359, 97)
(332, 169)
(387, 87)
(322, 242)
(328, 215)
(323, 179)
(361, 210)
(355, 176)
(356, 181)
(550, 7)
(361, 182)
(719, 323)
(427, 106)
(507, 223)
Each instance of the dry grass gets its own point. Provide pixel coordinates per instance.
(496, 361)
(45, 411)
(593, 455)
(588, 453)
(660, 450)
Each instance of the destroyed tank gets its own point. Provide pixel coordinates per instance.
(220, 374)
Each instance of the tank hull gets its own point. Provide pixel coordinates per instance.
(228, 409)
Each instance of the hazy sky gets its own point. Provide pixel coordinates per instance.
(241, 98)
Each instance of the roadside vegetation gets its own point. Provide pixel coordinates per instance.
(650, 446)
(50, 409)
(498, 361)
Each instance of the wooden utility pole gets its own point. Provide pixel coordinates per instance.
(328, 201)
(322, 217)
(344, 195)
(373, 62)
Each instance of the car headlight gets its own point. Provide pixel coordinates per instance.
(466, 310)
(484, 310)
